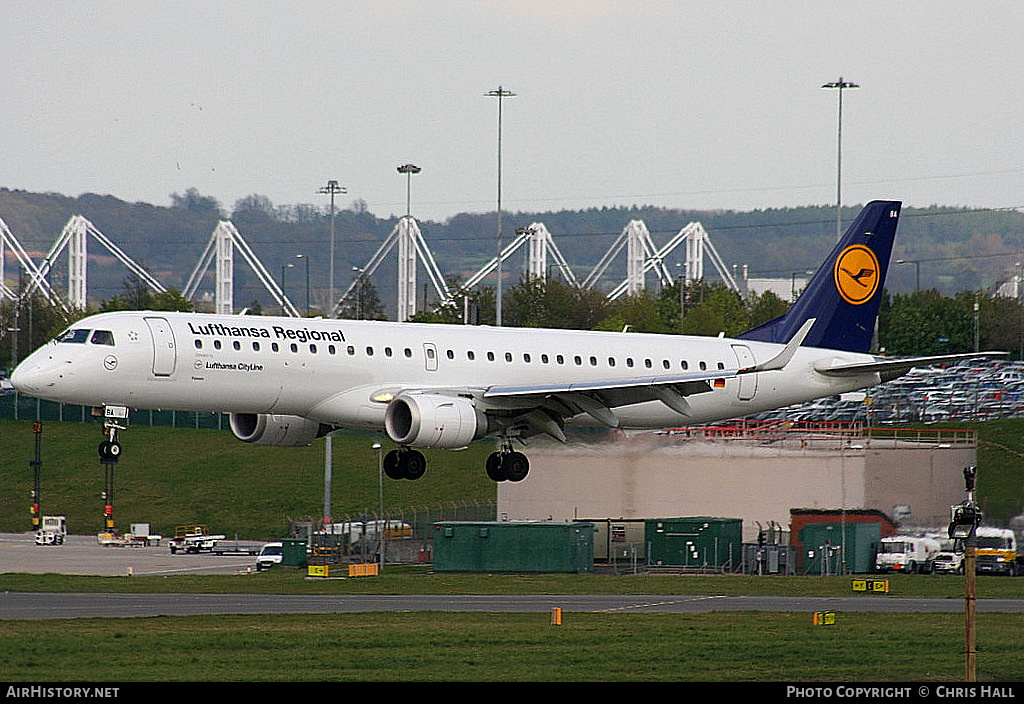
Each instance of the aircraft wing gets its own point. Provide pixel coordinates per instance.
(893, 368)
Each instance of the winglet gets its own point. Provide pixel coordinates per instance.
(782, 358)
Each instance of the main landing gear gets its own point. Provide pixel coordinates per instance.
(506, 465)
(404, 463)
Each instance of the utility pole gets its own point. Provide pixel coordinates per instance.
(332, 188)
(840, 85)
(500, 94)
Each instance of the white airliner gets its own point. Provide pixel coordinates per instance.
(288, 381)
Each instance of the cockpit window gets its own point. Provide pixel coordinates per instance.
(76, 335)
(102, 337)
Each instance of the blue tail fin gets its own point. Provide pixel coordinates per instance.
(844, 294)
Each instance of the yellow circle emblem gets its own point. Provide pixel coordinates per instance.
(856, 274)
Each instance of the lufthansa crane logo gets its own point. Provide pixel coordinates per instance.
(856, 274)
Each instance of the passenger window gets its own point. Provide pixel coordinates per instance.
(526, 357)
(560, 359)
(351, 350)
(216, 344)
(255, 347)
(490, 356)
(294, 347)
(508, 356)
(451, 354)
(471, 355)
(331, 349)
(611, 361)
(274, 347)
(665, 363)
(387, 351)
(703, 366)
(408, 353)
(647, 363)
(629, 361)
(578, 360)
(544, 359)
(312, 349)
(237, 345)
(103, 337)
(198, 344)
(684, 364)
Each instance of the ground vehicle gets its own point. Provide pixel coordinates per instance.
(996, 551)
(949, 562)
(193, 539)
(905, 553)
(270, 555)
(53, 531)
(354, 532)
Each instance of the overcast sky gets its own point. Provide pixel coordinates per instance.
(679, 103)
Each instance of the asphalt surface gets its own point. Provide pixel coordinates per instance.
(83, 555)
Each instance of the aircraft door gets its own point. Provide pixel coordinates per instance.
(748, 382)
(165, 353)
(430, 356)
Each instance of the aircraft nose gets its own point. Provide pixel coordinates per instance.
(31, 377)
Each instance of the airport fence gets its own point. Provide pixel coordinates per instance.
(15, 406)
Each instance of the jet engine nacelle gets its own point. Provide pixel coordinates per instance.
(432, 420)
(271, 429)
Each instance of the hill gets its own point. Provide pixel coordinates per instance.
(170, 477)
(954, 249)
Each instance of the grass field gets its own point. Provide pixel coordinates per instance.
(459, 647)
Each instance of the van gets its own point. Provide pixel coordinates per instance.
(271, 554)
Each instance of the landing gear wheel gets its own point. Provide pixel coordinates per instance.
(493, 467)
(392, 465)
(405, 464)
(515, 466)
(413, 464)
(109, 451)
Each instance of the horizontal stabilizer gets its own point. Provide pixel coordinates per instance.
(893, 368)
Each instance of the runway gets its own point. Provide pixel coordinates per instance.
(34, 606)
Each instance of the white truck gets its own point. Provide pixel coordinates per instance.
(906, 553)
(53, 531)
(996, 552)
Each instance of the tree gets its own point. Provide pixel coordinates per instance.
(253, 208)
(364, 303)
(765, 307)
(719, 310)
(197, 203)
(137, 296)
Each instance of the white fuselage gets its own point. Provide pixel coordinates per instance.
(341, 372)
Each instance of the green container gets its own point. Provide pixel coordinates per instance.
(293, 552)
(825, 543)
(698, 542)
(513, 547)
